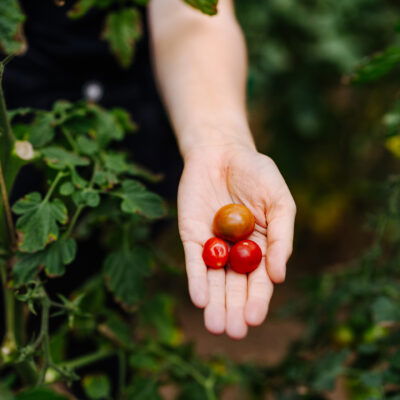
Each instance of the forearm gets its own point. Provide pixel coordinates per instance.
(200, 63)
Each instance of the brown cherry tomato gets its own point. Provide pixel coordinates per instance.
(215, 253)
(234, 222)
(245, 256)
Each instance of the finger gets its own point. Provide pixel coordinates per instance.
(236, 293)
(197, 274)
(259, 289)
(214, 313)
(280, 220)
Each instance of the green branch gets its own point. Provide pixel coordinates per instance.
(7, 209)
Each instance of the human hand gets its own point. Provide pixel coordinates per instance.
(213, 177)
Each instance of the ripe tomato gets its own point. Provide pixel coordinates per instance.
(233, 222)
(245, 256)
(215, 253)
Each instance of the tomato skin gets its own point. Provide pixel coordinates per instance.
(215, 253)
(233, 222)
(245, 256)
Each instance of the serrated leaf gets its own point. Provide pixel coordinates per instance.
(42, 129)
(105, 127)
(82, 7)
(59, 158)
(122, 30)
(87, 146)
(39, 394)
(53, 258)
(208, 7)
(378, 66)
(136, 199)
(89, 197)
(12, 40)
(124, 118)
(38, 224)
(124, 272)
(117, 163)
(96, 386)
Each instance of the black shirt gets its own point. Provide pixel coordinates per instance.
(64, 55)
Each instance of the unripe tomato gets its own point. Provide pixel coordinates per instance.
(375, 333)
(343, 335)
(245, 256)
(215, 253)
(234, 222)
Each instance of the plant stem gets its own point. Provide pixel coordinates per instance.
(70, 140)
(53, 185)
(5, 126)
(7, 208)
(25, 369)
(81, 207)
(89, 358)
(74, 219)
(43, 338)
(9, 305)
(7, 140)
(121, 374)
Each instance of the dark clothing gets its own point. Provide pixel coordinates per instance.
(65, 54)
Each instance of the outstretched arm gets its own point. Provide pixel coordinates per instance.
(200, 64)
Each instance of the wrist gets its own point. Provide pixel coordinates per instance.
(215, 138)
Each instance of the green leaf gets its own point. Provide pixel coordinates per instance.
(157, 314)
(328, 368)
(378, 66)
(385, 310)
(39, 394)
(42, 129)
(124, 118)
(38, 224)
(145, 361)
(53, 258)
(118, 330)
(12, 40)
(208, 7)
(87, 146)
(82, 7)
(124, 272)
(96, 386)
(122, 30)
(137, 199)
(88, 197)
(59, 158)
(66, 189)
(117, 163)
(105, 127)
(144, 389)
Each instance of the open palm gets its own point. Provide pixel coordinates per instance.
(212, 178)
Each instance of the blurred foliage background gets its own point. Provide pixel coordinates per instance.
(323, 99)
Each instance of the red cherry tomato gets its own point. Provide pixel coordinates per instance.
(245, 256)
(233, 222)
(215, 253)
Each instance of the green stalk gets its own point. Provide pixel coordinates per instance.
(89, 358)
(44, 339)
(7, 140)
(26, 369)
(53, 185)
